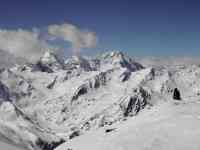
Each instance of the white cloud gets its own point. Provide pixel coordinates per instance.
(31, 45)
(22, 43)
(70, 33)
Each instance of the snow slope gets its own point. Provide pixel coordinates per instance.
(6, 146)
(45, 104)
(169, 126)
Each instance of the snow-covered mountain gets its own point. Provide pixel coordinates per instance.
(52, 101)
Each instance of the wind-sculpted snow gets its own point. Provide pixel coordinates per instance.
(52, 101)
(168, 125)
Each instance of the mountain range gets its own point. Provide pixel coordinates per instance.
(108, 102)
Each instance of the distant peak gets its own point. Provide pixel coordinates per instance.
(113, 54)
(49, 62)
(118, 58)
(49, 57)
(78, 62)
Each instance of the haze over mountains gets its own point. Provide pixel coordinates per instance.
(8, 60)
(112, 100)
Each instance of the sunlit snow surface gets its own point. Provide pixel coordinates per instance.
(45, 103)
(5, 146)
(167, 126)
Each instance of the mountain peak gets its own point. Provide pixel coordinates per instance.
(78, 62)
(48, 63)
(50, 58)
(119, 59)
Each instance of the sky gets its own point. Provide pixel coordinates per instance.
(137, 27)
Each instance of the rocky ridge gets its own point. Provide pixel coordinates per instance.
(52, 101)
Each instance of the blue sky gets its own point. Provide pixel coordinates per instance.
(139, 27)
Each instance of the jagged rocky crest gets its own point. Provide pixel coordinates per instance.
(55, 101)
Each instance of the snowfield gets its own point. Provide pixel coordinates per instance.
(6, 146)
(169, 126)
(109, 102)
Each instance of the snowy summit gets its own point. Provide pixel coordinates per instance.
(109, 102)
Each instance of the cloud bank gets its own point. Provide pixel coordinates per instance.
(31, 45)
(70, 33)
(22, 43)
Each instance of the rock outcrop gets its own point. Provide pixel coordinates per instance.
(4, 93)
(176, 94)
(84, 94)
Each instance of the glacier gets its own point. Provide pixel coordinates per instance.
(108, 102)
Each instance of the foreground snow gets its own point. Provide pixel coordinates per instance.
(167, 126)
(5, 146)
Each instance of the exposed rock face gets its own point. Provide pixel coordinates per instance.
(52, 97)
(74, 134)
(51, 85)
(125, 76)
(83, 89)
(75, 66)
(42, 67)
(48, 63)
(48, 146)
(4, 93)
(77, 63)
(95, 64)
(92, 83)
(133, 104)
(15, 85)
(176, 94)
(118, 59)
(50, 59)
